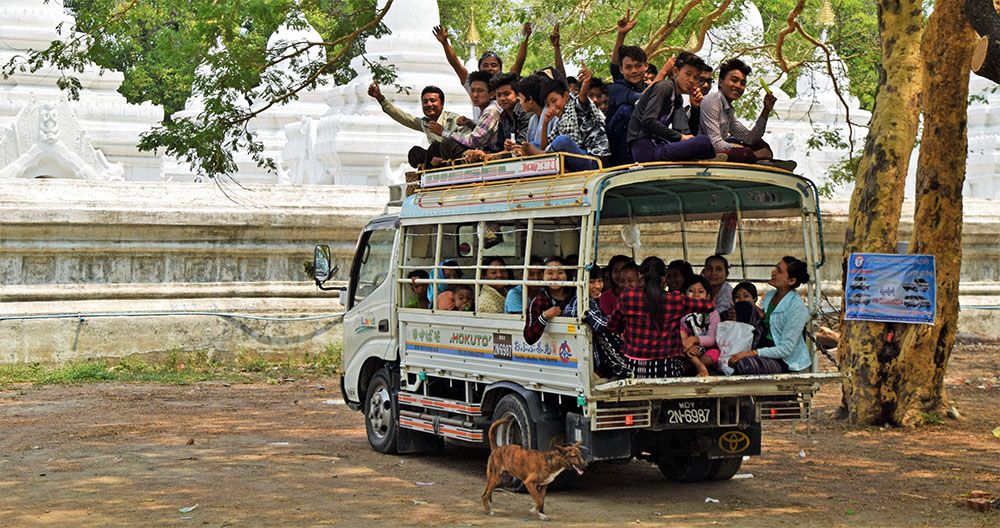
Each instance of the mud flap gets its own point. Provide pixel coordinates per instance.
(735, 441)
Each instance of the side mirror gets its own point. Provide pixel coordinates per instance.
(322, 271)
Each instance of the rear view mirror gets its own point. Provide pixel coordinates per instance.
(322, 271)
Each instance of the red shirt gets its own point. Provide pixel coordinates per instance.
(642, 339)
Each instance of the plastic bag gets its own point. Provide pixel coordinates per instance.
(732, 337)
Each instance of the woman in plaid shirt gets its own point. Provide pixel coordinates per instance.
(550, 302)
(650, 318)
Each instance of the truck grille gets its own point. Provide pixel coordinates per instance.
(623, 415)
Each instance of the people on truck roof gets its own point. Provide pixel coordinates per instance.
(658, 129)
(649, 320)
(698, 330)
(489, 62)
(432, 104)
(598, 95)
(485, 128)
(579, 126)
(513, 127)
(550, 302)
(716, 270)
(727, 134)
(785, 316)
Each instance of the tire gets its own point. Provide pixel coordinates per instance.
(685, 468)
(725, 468)
(381, 413)
(520, 431)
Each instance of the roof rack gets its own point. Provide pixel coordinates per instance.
(507, 170)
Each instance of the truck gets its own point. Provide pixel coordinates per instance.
(422, 375)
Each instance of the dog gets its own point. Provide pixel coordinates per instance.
(536, 469)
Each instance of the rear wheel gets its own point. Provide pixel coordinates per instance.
(685, 468)
(519, 431)
(380, 414)
(725, 468)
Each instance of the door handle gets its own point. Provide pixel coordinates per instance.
(383, 325)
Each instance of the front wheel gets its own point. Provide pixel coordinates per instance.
(380, 414)
(685, 468)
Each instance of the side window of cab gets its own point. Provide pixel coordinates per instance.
(371, 266)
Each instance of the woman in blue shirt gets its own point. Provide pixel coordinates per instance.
(785, 317)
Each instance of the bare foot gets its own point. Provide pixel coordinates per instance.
(702, 369)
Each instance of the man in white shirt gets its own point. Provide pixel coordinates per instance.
(727, 134)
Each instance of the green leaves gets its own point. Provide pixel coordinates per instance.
(216, 54)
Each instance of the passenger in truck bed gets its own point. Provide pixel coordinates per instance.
(492, 296)
(514, 303)
(550, 302)
(678, 273)
(418, 299)
(626, 278)
(650, 319)
(786, 316)
(698, 330)
(607, 346)
(463, 297)
(716, 270)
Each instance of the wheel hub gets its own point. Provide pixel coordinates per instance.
(380, 412)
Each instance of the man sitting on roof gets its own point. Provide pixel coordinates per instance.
(513, 126)
(656, 131)
(484, 132)
(727, 134)
(432, 103)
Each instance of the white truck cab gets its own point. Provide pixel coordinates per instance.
(422, 373)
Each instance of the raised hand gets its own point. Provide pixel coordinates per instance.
(376, 92)
(526, 30)
(626, 23)
(441, 34)
(696, 96)
(769, 100)
(554, 36)
(584, 74)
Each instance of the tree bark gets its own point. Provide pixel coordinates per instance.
(873, 221)
(982, 16)
(917, 375)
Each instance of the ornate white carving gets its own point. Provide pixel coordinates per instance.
(46, 140)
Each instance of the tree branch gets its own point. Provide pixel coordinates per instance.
(663, 33)
(789, 28)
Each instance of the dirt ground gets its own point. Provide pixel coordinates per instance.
(117, 454)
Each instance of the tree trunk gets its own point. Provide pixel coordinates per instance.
(917, 375)
(873, 221)
(982, 15)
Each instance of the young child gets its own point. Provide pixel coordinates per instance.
(745, 310)
(698, 329)
(419, 298)
(463, 298)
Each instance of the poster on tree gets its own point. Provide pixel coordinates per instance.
(890, 288)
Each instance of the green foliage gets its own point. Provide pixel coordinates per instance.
(213, 57)
(587, 30)
(173, 52)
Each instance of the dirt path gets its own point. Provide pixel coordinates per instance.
(282, 455)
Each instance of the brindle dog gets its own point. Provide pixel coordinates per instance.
(536, 469)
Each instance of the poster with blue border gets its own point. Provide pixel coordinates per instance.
(891, 288)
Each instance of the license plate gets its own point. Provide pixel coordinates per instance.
(688, 412)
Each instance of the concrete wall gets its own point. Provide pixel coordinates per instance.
(137, 249)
